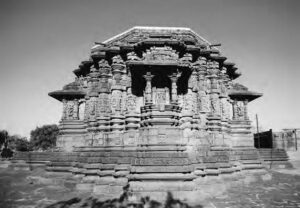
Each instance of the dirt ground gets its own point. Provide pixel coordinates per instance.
(271, 188)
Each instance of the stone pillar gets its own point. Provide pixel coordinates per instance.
(76, 109)
(203, 98)
(92, 121)
(214, 117)
(81, 108)
(103, 102)
(234, 110)
(64, 111)
(246, 117)
(132, 118)
(223, 101)
(174, 77)
(93, 84)
(117, 117)
(148, 89)
(189, 106)
(193, 85)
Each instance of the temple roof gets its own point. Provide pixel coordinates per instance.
(139, 39)
(69, 91)
(240, 92)
(144, 32)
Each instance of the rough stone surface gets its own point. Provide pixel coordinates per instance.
(270, 188)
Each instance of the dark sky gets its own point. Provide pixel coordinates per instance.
(42, 42)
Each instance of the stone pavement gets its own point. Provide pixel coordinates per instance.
(271, 188)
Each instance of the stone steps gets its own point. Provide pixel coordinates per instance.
(273, 154)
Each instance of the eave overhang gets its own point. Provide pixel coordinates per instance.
(67, 94)
(244, 95)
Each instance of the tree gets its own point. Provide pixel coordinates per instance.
(18, 143)
(3, 138)
(6, 152)
(12, 143)
(44, 137)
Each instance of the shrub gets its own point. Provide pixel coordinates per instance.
(44, 137)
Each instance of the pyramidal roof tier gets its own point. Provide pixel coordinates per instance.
(148, 31)
(157, 48)
(139, 39)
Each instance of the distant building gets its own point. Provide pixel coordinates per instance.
(287, 139)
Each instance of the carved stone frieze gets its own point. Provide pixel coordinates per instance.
(160, 54)
(132, 56)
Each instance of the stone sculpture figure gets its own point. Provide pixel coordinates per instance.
(131, 103)
(116, 101)
(240, 110)
(70, 110)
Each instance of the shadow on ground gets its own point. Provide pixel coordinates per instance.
(123, 201)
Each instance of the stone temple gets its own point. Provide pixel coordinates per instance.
(155, 108)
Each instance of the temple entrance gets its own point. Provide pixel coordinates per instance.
(161, 86)
(161, 96)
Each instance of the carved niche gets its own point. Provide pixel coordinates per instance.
(161, 95)
(240, 112)
(93, 106)
(160, 54)
(205, 107)
(215, 105)
(70, 110)
(130, 103)
(189, 102)
(116, 101)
